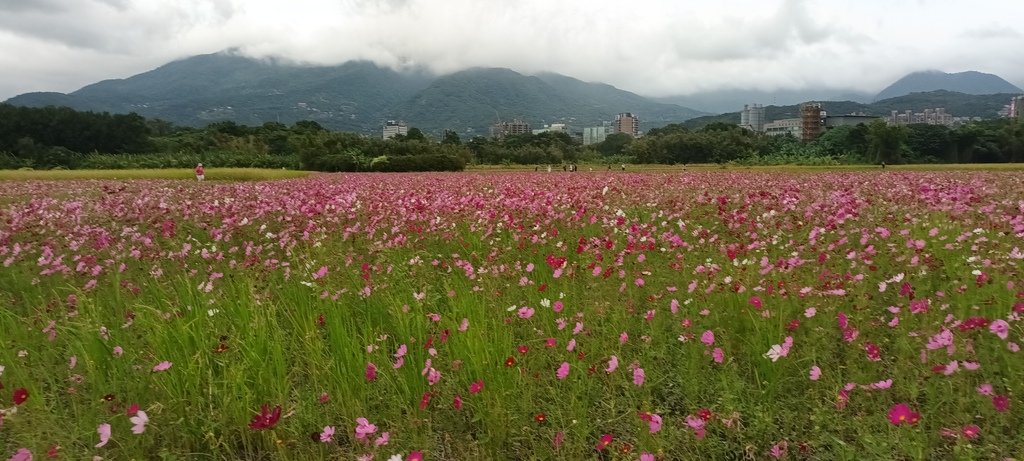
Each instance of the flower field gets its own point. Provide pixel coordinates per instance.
(613, 316)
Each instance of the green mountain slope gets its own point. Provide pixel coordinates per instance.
(355, 96)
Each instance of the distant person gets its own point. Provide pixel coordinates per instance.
(200, 172)
(623, 167)
(609, 167)
(549, 168)
(883, 165)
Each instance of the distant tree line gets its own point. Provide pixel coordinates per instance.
(57, 137)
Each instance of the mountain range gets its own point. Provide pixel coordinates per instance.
(356, 96)
(970, 82)
(359, 96)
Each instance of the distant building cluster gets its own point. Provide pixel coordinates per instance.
(625, 122)
(937, 116)
(812, 122)
(394, 128)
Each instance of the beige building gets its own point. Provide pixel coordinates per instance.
(627, 123)
(505, 129)
(792, 126)
(393, 128)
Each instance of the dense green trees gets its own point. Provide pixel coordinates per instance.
(60, 137)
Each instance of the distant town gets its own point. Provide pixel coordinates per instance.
(812, 122)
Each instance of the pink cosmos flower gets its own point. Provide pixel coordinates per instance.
(118, 351)
(476, 386)
(327, 436)
(571, 346)
(708, 338)
(457, 402)
(971, 431)
(985, 389)
(603, 442)
(72, 362)
(718, 355)
(414, 456)
(558, 439)
(139, 422)
(1000, 328)
(756, 302)
(613, 363)
(23, 454)
(810, 312)
(382, 440)
(364, 428)
(623, 337)
(646, 457)
(815, 373)
(563, 371)
(525, 312)
(464, 325)
(557, 306)
(638, 376)
(654, 423)
(697, 424)
(104, 431)
(162, 366)
(371, 372)
(550, 342)
(320, 273)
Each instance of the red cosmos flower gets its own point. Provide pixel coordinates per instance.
(540, 417)
(873, 351)
(476, 386)
(53, 452)
(132, 409)
(522, 349)
(704, 414)
(606, 439)
(266, 419)
(510, 361)
(414, 456)
(20, 395)
(1001, 402)
(793, 325)
(424, 401)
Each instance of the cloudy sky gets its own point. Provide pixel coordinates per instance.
(652, 47)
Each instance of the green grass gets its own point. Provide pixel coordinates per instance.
(212, 174)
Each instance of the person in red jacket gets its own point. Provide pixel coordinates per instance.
(200, 173)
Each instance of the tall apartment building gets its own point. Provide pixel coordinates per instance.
(393, 128)
(505, 129)
(1017, 108)
(752, 118)
(627, 123)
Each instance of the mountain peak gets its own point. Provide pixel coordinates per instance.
(967, 82)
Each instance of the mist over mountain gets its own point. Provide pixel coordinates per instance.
(356, 96)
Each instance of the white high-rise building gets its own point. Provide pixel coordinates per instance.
(594, 134)
(752, 117)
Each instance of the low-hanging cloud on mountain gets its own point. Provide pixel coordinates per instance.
(654, 47)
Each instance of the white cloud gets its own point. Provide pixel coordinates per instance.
(655, 47)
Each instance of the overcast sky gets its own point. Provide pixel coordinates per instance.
(652, 47)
